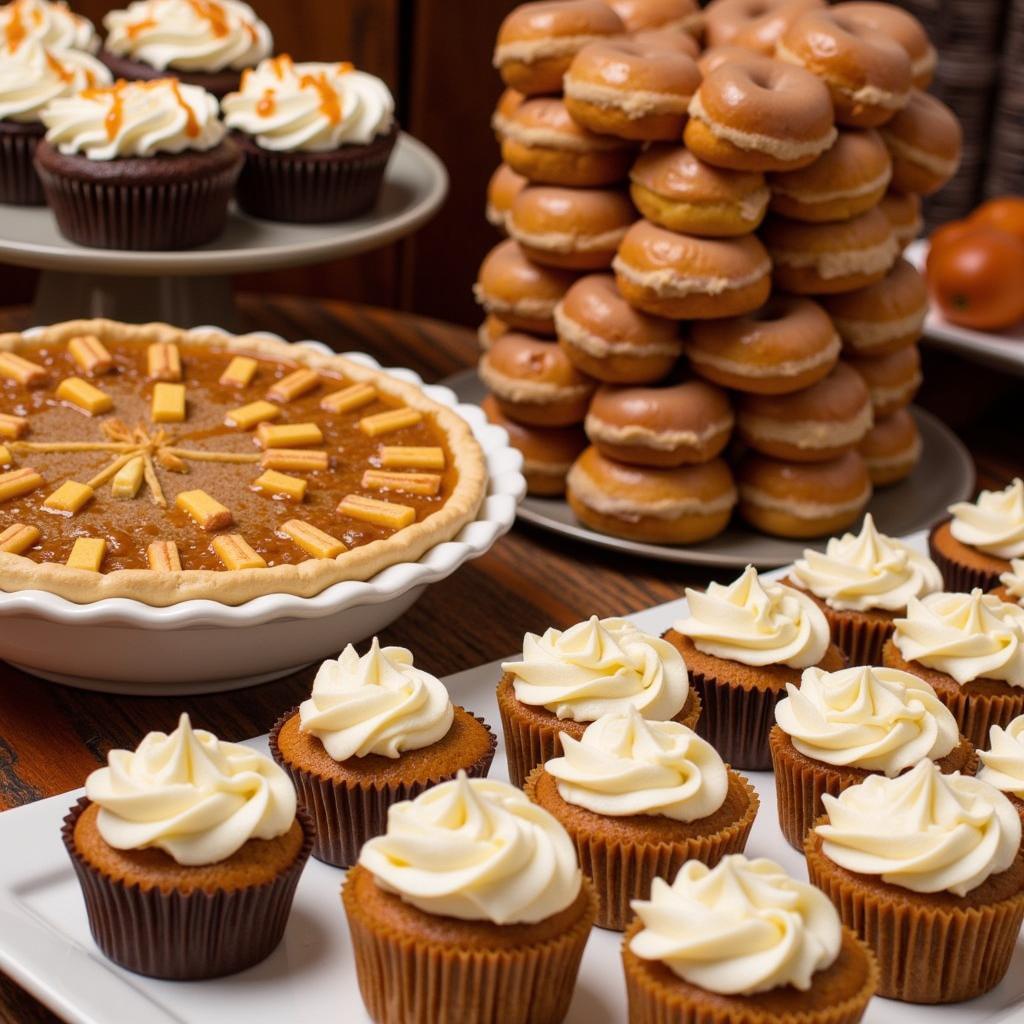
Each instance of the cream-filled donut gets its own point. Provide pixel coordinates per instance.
(752, 24)
(895, 23)
(892, 380)
(508, 103)
(502, 188)
(492, 328)
(891, 448)
(903, 211)
(925, 140)
(669, 15)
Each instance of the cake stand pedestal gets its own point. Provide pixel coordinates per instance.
(194, 286)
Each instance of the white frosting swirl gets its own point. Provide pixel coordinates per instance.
(600, 666)
(1002, 765)
(756, 622)
(627, 765)
(134, 119)
(377, 704)
(967, 636)
(739, 928)
(311, 108)
(191, 795)
(52, 24)
(859, 572)
(878, 719)
(478, 850)
(189, 35)
(924, 831)
(1014, 580)
(994, 523)
(31, 75)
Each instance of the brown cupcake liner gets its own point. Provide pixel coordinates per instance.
(19, 183)
(957, 577)
(345, 815)
(181, 936)
(406, 979)
(623, 871)
(860, 639)
(927, 953)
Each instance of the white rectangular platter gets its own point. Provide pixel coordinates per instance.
(45, 943)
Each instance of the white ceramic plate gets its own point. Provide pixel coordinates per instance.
(45, 943)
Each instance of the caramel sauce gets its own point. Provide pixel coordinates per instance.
(280, 64)
(330, 107)
(267, 103)
(191, 124)
(15, 31)
(136, 29)
(212, 12)
(60, 71)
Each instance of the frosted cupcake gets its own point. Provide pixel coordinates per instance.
(1011, 583)
(567, 679)
(53, 24)
(317, 139)
(1002, 765)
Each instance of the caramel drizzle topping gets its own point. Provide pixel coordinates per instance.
(267, 103)
(330, 106)
(114, 119)
(62, 72)
(136, 29)
(212, 12)
(191, 124)
(15, 31)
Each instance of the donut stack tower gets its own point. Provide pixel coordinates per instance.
(701, 303)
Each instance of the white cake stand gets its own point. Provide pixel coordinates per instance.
(193, 286)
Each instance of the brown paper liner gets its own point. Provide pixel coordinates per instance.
(19, 183)
(622, 869)
(956, 576)
(928, 950)
(800, 782)
(838, 995)
(433, 977)
(345, 815)
(182, 936)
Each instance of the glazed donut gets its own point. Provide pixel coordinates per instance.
(674, 189)
(892, 380)
(520, 292)
(847, 179)
(903, 211)
(812, 425)
(714, 57)
(490, 331)
(547, 452)
(543, 143)
(537, 41)
(786, 345)
(868, 74)
(672, 425)
(666, 39)
(802, 499)
(758, 114)
(690, 278)
(891, 448)
(644, 15)
(508, 103)
(576, 228)
(822, 259)
(632, 91)
(660, 506)
(502, 189)
(897, 24)
(752, 24)
(608, 339)
(883, 317)
(925, 140)
(534, 383)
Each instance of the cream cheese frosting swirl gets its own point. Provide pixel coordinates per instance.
(739, 928)
(967, 636)
(924, 831)
(994, 523)
(478, 850)
(756, 622)
(52, 24)
(191, 795)
(1002, 765)
(627, 765)
(599, 666)
(377, 704)
(189, 35)
(860, 572)
(878, 719)
(134, 119)
(1014, 580)
(32, 74)
(312, 108)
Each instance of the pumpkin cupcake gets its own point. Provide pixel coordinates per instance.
(927, 869)
(1011, 583)
(743, 643)
(970, 649)
(470, 908)
(1002, 765)
(861, 582)
(188, 851)
(639, 799)
(837, 728)
(374, 731)
(743, 943)
(567, 679)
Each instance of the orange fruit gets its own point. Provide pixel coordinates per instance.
(1004, 212)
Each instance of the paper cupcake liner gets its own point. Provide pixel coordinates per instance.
(19, 183)
(623, 871)
(184, 936)
(927, 953)
(861, 640)
(409, 979)
(957, 577)
(344, 814)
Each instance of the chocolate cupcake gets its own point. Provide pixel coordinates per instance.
(1002, 765)
(567, 679)
(188, 851)
(376, 730)
(317, 139)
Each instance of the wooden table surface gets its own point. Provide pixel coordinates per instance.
(52, 736)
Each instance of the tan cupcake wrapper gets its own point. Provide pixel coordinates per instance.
(345, 815)
(861, 640)
(407, 979)
(622, 872)
(957, 577)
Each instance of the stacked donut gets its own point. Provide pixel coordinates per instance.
(701, 302)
